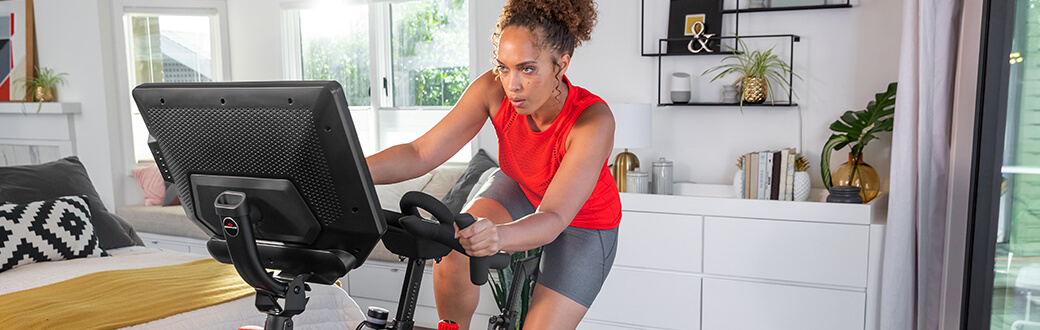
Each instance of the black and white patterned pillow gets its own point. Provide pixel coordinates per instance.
(49, 230)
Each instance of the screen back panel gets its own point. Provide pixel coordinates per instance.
(294, 130)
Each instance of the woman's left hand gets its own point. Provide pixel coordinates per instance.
(479, 239)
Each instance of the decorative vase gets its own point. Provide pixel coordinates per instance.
(44, 94)
(738, 184)
(845, 194)
(856, 173)
(730, 93)
(755, 89)
(801, 186)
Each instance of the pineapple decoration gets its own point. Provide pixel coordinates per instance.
(738, 179)
(801, 179)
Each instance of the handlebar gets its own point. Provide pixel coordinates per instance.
(443, 232)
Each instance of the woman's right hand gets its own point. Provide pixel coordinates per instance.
(479, 239)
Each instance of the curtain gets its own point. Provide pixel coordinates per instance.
(911, 281)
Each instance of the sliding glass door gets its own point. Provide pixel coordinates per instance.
(1003, 287)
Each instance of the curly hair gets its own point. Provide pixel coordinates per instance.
(561, 26)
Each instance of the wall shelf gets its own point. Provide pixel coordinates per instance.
(720, 104)
(690, 54)
(662, 44)
(758, 10)
(45, 108)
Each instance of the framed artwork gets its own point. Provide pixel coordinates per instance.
(17, 48)
(694, 19)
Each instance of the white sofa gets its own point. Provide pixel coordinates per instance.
(171, 220)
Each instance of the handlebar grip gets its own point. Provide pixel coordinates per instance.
(478, 266)
(499, 260)
(464, 220)
(444, 233)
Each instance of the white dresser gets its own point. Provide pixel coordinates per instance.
(722, 263)
(700, 263)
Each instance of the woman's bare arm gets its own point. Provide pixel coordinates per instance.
(410, 160)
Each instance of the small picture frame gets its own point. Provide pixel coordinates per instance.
(691, 24)
(694, 19)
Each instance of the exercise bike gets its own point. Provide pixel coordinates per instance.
(418, 240)
(274, 171)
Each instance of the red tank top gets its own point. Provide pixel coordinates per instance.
(532, 158)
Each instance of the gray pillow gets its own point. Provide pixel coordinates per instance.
(459, 193)
(63, 177)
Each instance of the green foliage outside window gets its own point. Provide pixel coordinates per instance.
(344, 60)
(440, 86)
(429, 41)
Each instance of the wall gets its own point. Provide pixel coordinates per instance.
(254, 29)
(844, 57)
(70, 39)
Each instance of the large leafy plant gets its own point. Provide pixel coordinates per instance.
(857, 128)
(754, 64)
(500, 286)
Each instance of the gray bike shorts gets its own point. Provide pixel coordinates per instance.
(577, 262)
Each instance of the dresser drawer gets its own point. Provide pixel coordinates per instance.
(833, 254)
(748, 305)
(660, 241)
(642, 299)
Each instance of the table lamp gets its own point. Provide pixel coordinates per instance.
(632, 129)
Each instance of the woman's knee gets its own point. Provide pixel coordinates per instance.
(454, 265)
(483, 207)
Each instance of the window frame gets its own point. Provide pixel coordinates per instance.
(219, 44)
(380, 29)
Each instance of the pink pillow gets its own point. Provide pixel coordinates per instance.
(151, 183)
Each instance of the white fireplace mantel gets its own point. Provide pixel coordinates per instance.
(32, 133)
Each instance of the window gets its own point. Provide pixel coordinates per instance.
(402, 64)
(168, 47)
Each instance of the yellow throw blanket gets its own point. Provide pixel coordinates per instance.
(119, 298)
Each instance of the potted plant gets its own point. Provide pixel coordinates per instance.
(500, 287)
(40, 87)
(758, 72)
(855, 129)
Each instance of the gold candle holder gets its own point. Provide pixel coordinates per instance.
(624, 162)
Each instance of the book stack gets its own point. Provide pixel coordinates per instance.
(769, 174)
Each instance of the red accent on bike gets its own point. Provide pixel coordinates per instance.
(447, 325)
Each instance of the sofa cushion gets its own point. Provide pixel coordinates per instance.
(443, 179)
(166, 220)
(63, 177)
(457, 197)
(390, 194)
(49, 230)
(156, 190)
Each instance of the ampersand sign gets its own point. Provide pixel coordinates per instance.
(700, 37)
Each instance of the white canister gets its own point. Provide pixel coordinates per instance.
(681, 91)
(638, 182)
(662, 180)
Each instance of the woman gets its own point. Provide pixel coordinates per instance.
(554, 188)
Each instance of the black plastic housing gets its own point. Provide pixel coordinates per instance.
(290, 146)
